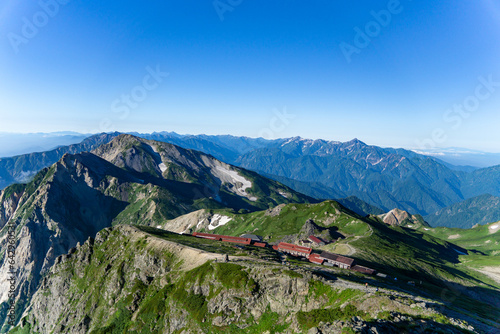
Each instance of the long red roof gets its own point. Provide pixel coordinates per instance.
(364, 270)
(227, 238)
(316, 240)
(295, 248)
(337, 258)
(315, 258)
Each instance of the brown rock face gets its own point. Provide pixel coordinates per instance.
(8, 205)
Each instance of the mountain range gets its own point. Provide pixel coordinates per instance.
(382, 177)
(94, 255)
(128, 180)
(481, 210)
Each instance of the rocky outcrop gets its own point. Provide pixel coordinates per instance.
(9, 202)
(311, 228)
(61, 207)
(397, 217)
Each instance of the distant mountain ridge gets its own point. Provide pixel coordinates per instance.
(384, 177)
(481, 210)
(12, 144)
(387, 178)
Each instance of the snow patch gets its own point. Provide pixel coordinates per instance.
(284, 194)
(199, 223)
(425, 228)
(235, 178)
(308, 142)
(161, 165)
(494, 228)
(400, 161)
(217, 221)
(291, 140)
(223, 172)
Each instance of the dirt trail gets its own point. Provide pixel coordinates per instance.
(352, 250)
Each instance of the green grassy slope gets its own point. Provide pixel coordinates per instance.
(400, 252)
(280, 222)
(139, 280)
(483, 238)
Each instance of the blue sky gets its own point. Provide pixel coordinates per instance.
(390, 73)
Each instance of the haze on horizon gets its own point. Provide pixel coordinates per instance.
(391, 73)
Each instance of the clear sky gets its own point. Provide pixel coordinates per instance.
(391, 73)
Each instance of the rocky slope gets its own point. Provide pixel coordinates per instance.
(226, 184)
(402, 218)
(128, 280)
(9, 201)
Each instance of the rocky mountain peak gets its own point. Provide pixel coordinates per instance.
(397, 217)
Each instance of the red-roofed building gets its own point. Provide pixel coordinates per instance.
(237, 240)
(226, 238)
(205, 235)
(364, 270)
(316, 241)
(315, 258)
(260, 244)
(294, 249)
(337, 260)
